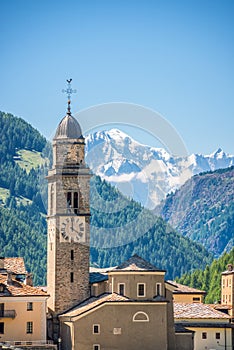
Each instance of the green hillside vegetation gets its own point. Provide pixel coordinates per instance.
(29, 159)
(23, 234)
(126, 228)
(15, 135)
(209, 279)
(203, 210)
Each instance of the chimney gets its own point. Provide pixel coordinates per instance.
(9, 277)
(230, 267)
(29, 280)
(1, 262)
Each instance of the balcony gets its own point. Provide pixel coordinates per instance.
(7, 313)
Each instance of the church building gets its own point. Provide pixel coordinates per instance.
(131, 306)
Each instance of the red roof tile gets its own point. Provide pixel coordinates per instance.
(197, 311)
(15, 265)
(16, 288)
(182, 289)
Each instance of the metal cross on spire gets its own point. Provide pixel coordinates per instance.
(69, 91)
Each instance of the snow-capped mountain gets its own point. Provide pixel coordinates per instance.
(145, 173)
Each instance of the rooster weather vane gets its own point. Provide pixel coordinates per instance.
(69, 91)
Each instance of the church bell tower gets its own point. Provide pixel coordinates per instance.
(68, 217)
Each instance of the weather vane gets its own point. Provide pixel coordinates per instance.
(69, 91)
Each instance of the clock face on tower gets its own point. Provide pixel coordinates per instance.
(72, 229)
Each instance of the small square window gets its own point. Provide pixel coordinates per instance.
(29, 328)
(96, 347)
(1, 327)
(96, 329)
(141, 289)
(29, 306)
(217, 335)
(204, 335)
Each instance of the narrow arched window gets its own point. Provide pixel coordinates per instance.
(76, 202)
(140, 316)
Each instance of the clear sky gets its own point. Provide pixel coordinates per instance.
(176, 57)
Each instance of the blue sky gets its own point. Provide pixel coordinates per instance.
(175, 57)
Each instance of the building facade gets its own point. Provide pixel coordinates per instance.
(212, 328)
(22, 306)
(227, 289)
(135, 312)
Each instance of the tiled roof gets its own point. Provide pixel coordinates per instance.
(16, 288)
(196, 311)
(220, 306)
(180, 289)
(15, 265)
(136, 263)
(93, 302)
(95, 277)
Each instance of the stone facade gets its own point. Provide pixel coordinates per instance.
(68, 224)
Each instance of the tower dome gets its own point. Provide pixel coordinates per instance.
(68, 128)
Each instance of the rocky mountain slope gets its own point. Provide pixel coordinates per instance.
(203, 209)
(145, 173)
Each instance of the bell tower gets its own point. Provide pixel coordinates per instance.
(68, 217)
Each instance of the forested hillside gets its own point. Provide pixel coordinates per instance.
(119, 227)
(209, 279)
(22, 213)
(124, 228)
(203, 210)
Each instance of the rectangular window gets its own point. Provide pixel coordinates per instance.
(29, 306)
(1, 327)
(204, 335)
(121, 288)
(29, 329)
(158, 289)
(96, 329)
(96, 347)
(196, 299)
(141, 289)
(72, 277)
(1, 309)
(217, 335)
(72, 254)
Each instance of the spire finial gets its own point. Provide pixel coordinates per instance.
(69, 91)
